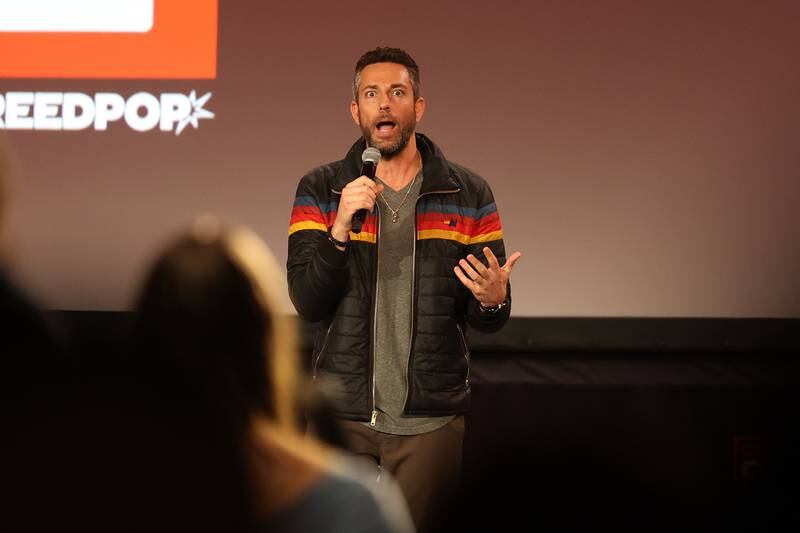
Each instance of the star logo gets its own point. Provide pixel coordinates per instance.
(197, 112)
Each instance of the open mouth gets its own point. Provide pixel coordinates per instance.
(385, 126)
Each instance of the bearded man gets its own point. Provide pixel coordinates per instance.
(393, 300)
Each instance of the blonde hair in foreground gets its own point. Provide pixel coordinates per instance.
(251, 255)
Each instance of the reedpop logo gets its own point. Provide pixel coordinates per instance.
(98, 39)
(73, 111)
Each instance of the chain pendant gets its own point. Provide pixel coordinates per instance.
(396, 212)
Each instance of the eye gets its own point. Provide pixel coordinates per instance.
(369, 94)
(399, 92)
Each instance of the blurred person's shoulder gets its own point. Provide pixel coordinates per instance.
(326, 490)
(379, 485)
(334, 503)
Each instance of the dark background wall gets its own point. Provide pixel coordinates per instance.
(657, 422)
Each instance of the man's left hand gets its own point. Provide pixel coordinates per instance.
(487, 284)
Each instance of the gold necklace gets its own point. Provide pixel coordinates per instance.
(396, 212)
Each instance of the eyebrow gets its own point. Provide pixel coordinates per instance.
(392, 86)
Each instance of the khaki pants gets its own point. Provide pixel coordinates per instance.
(427, 466)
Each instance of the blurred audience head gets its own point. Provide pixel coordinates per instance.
(213, 354)
(209, 323)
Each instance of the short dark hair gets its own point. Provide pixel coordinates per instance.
(385, 54)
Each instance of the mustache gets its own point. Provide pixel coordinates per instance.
(385, 118)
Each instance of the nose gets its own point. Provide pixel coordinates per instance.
(383, 105)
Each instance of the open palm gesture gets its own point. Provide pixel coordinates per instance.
(487, 283)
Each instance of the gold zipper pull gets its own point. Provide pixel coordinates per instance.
(374, 417)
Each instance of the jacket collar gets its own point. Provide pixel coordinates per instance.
(435, 170)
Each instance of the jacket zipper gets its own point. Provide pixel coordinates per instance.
(373, 419)
(374, 412)
(414, 294)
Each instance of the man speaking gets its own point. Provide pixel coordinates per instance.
(394, 294)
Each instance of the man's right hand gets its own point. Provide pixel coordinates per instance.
(361, 193)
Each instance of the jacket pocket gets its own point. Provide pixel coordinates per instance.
(321, 351)
(466, 353)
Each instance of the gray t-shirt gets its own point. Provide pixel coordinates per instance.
(393, 315)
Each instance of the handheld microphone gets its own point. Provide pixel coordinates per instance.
(369, 162)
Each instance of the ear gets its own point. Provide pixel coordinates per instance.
(354, 113)
(419, 108)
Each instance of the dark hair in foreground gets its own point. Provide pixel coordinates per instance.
(386, 54)
(208, 312)
(200, 323)
(214, 353)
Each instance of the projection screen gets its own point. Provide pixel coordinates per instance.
(643, 155)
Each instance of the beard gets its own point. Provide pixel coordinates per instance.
(388, 148)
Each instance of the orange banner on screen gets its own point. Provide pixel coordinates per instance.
(161, 39)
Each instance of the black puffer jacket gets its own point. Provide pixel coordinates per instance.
(455, 215)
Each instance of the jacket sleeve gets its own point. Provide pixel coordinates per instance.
(316, 269)
(488, 231)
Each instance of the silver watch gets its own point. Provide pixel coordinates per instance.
(494, 308)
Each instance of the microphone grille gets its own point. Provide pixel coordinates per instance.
(371, 154)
